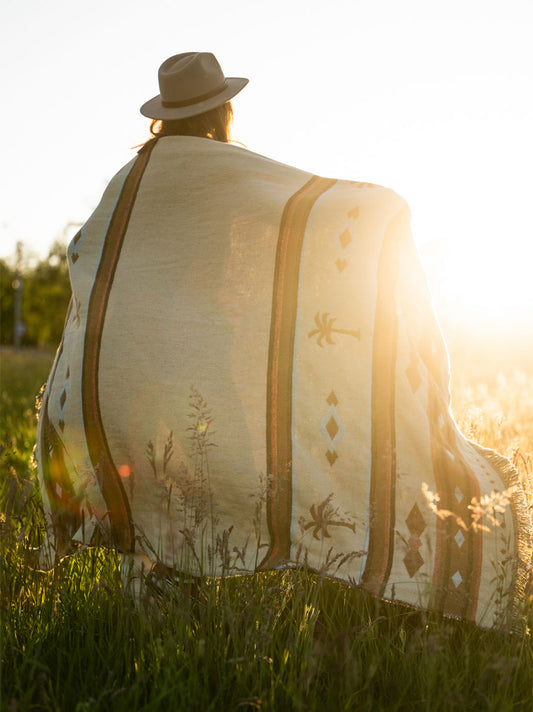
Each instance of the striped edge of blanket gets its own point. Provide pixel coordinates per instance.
(112, 488)
(280, 366)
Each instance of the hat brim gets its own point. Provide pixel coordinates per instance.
(155, 109)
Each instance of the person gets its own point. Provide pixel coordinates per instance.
(252, 376)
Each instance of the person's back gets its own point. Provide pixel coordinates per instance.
(251, 376)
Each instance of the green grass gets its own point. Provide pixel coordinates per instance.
(74, 640)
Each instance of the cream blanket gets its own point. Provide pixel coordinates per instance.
(252, 376)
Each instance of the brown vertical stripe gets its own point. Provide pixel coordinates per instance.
(280, 365)
(113, 492)
(382, 496)
(451, 472)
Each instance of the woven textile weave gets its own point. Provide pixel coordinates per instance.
(252, 376)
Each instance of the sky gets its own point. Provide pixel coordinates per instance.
(432, 99)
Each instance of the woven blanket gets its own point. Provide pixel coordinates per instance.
(252, 376)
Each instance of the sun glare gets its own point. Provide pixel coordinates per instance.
(484, 287)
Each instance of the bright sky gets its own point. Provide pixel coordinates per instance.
(433, 99)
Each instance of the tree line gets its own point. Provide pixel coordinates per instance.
(34, 298)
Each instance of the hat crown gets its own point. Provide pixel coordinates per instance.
(191, 83)
(188, 76)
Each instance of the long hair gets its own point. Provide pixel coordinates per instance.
(214, 124)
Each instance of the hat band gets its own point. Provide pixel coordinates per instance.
(196, 99)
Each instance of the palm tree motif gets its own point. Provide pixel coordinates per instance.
(322, 518)
(325, 329)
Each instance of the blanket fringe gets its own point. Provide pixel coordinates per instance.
(523, 527)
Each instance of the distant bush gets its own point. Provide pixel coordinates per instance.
(45, 298)
(7, 302)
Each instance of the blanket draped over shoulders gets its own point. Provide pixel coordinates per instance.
(252, 376)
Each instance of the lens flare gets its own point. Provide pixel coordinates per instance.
(124, 471)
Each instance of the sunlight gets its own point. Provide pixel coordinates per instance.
(450, 134)
(482, 287)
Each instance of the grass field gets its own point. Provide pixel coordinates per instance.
(73, 640)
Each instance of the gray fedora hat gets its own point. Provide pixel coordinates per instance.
(191, 83)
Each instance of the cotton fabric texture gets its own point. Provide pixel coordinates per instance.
(252, 376)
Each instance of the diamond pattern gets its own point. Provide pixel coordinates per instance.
(457, 579)
(345, 239)
(341, 264)
(74, 246)
(61, 401)
(416, 525)
(415, 521)
(413, 561)
(459, 538)
(332, 427)
(332, 456)
(332, 399)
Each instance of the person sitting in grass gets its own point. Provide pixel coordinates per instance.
(252, 376)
